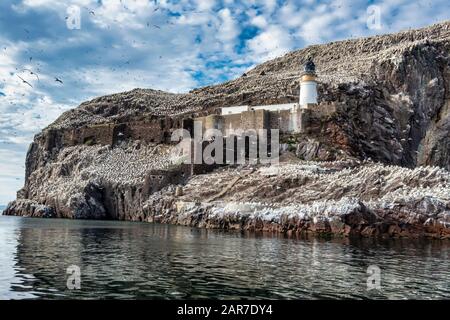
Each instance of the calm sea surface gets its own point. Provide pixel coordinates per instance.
(124, 260)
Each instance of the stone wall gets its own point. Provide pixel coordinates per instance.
(232, 122)
(159, 130)
(156, 130)
(212, 121)
(255, 119)
(149, 132)
(97, 134)
(296, 120)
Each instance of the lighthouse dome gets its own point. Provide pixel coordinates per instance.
(309, 67)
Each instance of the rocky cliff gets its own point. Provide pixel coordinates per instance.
(392, 94)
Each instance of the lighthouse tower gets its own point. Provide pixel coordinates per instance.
(308, 85)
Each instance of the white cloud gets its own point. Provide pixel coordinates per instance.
(133, 13)
(205, 4)
(259, 21)
(269, 6)
(274, 41)
(228, 29)
(316, 29)
(195, 19)
(291, 16)
(12, 172)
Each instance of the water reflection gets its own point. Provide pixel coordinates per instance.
(139, 260)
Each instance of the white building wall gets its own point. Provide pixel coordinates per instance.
(271, 107)
(234, 110)
(275, 107)
(308, 92)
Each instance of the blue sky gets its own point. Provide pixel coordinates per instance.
(168, 45)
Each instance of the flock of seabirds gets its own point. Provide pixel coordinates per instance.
(22, 72)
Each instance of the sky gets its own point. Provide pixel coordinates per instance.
(56, 54)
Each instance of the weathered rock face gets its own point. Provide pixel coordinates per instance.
(100, 182)
(392, 96)
(392, 92)
(340, 197)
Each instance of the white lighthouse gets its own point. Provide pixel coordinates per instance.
(308, 85)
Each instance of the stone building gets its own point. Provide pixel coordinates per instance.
(300, 117)
(287, 118)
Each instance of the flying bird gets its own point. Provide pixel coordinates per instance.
(32, 73)
(157, 26)
(24, 81)
(58, 80)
